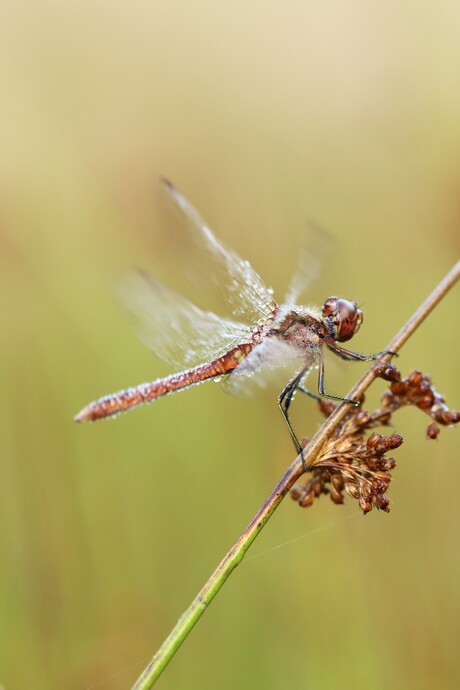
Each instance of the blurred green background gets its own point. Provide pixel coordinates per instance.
(265, 115)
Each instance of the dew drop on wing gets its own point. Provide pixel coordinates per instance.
(265, 365)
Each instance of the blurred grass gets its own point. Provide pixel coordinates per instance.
(265, 116)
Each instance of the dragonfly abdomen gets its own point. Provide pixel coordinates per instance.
(124, 400)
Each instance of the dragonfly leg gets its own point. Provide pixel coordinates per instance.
(321, 390)
(284, 402)
(305, 391)
(349, 355)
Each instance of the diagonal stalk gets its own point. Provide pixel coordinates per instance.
(236, 554)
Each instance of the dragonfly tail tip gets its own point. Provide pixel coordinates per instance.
(82, 416)
(167, 183)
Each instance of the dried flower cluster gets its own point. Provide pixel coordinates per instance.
(417, 390)
(349, 463)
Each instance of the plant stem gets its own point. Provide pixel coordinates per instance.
(217, 579)
(238, 550)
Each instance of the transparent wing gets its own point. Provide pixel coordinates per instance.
(271, 362)
(176, 330)
(220, 269)
(311, 260)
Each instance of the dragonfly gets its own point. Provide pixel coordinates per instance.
(261, 334)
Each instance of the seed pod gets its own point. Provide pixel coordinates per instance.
(389, 464)
(365, 504)
(388, 372)
(398, 388)
(432, 431)
(365, 489)
(336, 496)
(394, 441)
(416, 377)
(362, 418)
(387, 400)
(447, 417)
(344, 445)
(352, 489)
(337, 482)
(374, 440)
(307, 500)
(382, 502)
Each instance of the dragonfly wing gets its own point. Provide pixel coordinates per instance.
(311, 260)
(273, 361)
(176, 330)
(230, 277)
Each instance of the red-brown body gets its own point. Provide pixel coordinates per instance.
(124, 400)
(264, 334)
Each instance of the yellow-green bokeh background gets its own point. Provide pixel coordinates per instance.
(265, 114)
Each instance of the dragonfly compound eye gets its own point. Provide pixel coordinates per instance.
(344, 318)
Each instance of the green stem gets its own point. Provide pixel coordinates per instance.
(238, 550)
(217, 579)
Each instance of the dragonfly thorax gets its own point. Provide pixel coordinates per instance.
(342, 318)
(301, 327)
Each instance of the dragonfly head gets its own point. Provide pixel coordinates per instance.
(343, 318)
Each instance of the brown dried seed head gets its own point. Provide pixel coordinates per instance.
(384, 419)
(350, 462)
(352, 489)
(296, 491)
(303, 495)
(388, 372)
(366, 490)
(337, 481)
(382, 502)
(389, 464)
(432, 431)
(394, 441)
(387, 400)
(381, 444)
(374, 440)
(336, 496)
(416, 377)
(343, 445)
(398, 388)
(381, 478)
(447, 417)
(316, 487)
(365, 504)
(307, 500)
(380, 484)
(362, 418)
(425, 402)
